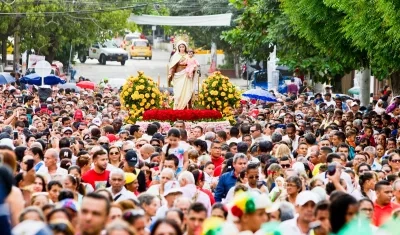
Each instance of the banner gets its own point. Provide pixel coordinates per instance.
(207, 20)
(34, 59)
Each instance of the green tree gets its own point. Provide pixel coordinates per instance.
(9, 23)
(263, 25)
(251, 31)
(77, 24)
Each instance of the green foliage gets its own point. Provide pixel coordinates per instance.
(203, 36)
(264, 25)
(251, 33)
(51, 26)
(372, 26)
(320, 25)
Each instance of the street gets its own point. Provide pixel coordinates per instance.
(156, 67)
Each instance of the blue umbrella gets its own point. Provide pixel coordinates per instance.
(6, 78)
(35, 79)
(70, 86)
(260, 94)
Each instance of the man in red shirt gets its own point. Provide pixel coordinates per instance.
(292, 88)
(216, 158)
(383, 206)
(98, 176)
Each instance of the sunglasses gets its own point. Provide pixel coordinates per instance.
(59, 227)
(103, 143)
(285, 166)
(114, 153)
(396, 160)
(140, 145)
(253, 177)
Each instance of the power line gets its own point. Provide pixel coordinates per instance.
(68, 12)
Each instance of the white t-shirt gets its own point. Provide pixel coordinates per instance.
(178, 151)
(59, 175)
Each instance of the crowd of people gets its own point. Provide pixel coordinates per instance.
(309, 165)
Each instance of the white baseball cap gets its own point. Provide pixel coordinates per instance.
(305, 197)
(171, 187)
(96, 121)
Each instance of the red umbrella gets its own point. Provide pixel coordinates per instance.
(86, 85)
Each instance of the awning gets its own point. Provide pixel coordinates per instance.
(207, 20)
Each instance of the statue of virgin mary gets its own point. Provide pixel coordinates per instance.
(183, 85)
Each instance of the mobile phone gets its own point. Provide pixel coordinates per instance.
(15, 135)
(29, 164)
(331, 169)
(72, 140)
(282, 126)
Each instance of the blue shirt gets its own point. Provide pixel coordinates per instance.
(226, 181)
(38, 165)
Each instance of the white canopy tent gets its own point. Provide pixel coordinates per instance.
(206, 20)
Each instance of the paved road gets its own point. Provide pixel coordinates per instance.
(157, 67)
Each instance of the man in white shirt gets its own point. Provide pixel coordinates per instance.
(234, 133)
(328, 100)
(117, 189)
(291, 135)
(172, 191)
(305, 204)
(50, 168)
(189, 190)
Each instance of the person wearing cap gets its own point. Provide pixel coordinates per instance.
(249, 209)
(328, 100)
(354, 107)
(328, 89)
(131, 161)
(305, 205)
(131, 183)
(172, 191)
(67, 132)
(97, 122)
(288, 118)
(117, 188)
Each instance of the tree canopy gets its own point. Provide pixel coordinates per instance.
(264, 24)
(49, 27)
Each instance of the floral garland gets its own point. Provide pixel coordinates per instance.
(139, 94)
(218, 93)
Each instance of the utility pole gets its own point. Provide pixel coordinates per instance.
(16, 50)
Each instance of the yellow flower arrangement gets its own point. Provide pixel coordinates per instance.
(218, 93)
(138, 94)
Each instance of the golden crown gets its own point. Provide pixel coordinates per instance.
(182, 37)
